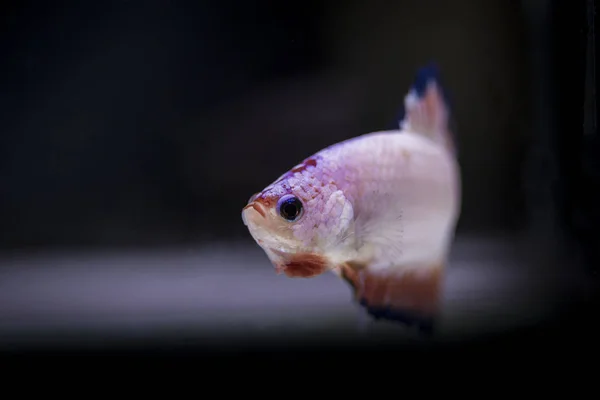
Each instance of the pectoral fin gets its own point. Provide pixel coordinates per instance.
(410, 296)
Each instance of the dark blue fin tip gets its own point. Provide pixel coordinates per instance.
(399, 117)
(425, 324)
(426, 74)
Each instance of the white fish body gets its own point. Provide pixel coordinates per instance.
(403, 191)
(379, 210)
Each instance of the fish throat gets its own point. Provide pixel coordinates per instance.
(302, 265)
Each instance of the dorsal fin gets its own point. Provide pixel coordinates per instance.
(426, 109)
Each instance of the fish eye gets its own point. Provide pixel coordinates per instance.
(290, 208)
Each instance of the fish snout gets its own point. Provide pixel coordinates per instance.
(253, 212)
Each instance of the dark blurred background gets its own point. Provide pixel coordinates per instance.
(133, 122)
(148, 124)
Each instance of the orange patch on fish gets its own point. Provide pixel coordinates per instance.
(266, 200)
(309, 162)
(304, 265)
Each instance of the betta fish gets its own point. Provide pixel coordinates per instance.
(379, 210)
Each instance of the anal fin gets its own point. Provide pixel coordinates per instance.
(410, 297)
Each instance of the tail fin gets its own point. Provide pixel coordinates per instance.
(426, 109)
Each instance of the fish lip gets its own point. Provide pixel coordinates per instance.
(257, 207)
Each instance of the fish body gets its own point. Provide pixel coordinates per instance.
(378, 210)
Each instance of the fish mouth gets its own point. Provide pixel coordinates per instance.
(256, 207)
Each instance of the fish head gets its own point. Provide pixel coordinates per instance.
(303, 223)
